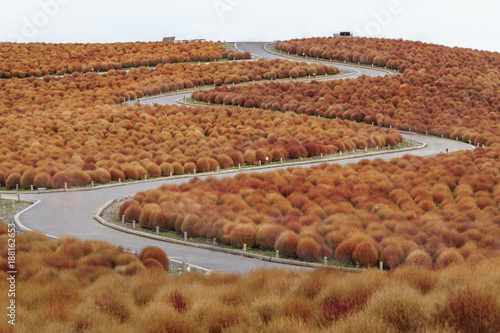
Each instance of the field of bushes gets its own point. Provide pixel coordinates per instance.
(71, 285)
(434, 211)
(433, 222)
(130, 142)
(39, 59)
(74, 130)
(443, 91)
(431, 211)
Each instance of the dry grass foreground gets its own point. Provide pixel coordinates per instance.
(70, 285)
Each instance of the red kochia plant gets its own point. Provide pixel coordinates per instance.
(267, 234)
(365, 254)
(420, 258)
(151, 252)
(308, 249)
(178, 168)
(42, 180)
(61, 179)
(243, 234)
(133, 211)
(449, 257)
(13, 180)
(287, 243)
(333, 309)
(27, 178)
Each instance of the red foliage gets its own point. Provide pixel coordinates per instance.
(449, 257)
(287, 243)
(243, 234)
(308, 249)
(156, 253)
(61, 180)
(420, 258)
(27, 178)
(365, 254)
(267, 234)
(42, 180)
(13, 181)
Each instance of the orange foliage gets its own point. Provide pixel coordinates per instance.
(156, 253)
(322, 204)
(71, 58)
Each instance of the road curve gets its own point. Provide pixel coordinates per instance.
(71, 213)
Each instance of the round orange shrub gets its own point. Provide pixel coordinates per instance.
(249, 157)
(189, 167)
(103, 175)
(178, 168)
(225, 161)
(42, 180)
(344, 251)
(117, 174)
(267, 234)
(61, 178)
(449, 257)
(130, 172)
(166, 169)
(419, 258)
(365, 254)
(237, 157)
(78, 177)
(160, 219)
(152, 252)
(152, 264)
(308, 249)
(287, 243)
(243, 234)
(392, 255)
(147, 212)
(27, 178)
(191, 224)
(133, 211)
(203, 164)
(13, 180)
(153, 170)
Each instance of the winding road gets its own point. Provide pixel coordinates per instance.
(72, 213)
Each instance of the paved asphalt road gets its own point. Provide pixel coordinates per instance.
(71, 213)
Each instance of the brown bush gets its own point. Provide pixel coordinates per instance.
(133, 211)
(151, 252)
(449, 257)
(61, 179)
(243, 234)
(419, 258)
(287, 243)
(13, 181)
(267, 234)
(178, 168)
(27, 178)
(308, 249)
(365, 254)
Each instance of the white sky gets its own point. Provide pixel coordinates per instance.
(461, 23)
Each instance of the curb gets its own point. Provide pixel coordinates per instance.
(98, 217)
(102, 221)
(36, 202)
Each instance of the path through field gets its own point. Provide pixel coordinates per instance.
(71, 213)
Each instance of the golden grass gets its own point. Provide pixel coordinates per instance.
(95, 298)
